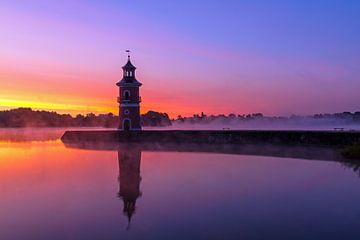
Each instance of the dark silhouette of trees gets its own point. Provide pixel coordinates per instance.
(26, 117)
(155, 119)
(345, 117)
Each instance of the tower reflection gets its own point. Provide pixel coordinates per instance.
(129, 179)
(129, 159)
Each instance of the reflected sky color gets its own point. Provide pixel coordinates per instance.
(277, 57)
(50, 191)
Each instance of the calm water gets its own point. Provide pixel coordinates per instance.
(50, 191)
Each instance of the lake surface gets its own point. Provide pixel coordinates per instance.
(52, 191)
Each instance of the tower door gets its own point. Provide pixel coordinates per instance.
(127, 124)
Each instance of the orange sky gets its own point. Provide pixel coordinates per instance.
(73, 94)
(67, 57)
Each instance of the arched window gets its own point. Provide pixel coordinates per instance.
(126, 95)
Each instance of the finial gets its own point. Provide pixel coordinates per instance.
(128, 52)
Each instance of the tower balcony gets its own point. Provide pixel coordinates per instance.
(122, 100)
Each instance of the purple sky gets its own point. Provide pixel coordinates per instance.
(275, 57)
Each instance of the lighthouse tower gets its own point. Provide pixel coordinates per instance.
(129, 98)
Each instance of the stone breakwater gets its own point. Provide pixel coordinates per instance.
(305, 138)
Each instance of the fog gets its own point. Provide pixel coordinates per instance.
(36, 134)
(269, 124)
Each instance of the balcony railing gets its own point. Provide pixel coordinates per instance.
(119, 100)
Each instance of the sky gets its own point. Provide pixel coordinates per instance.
(277, 57)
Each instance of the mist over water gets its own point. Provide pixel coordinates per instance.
(268, 125)
(36, 133)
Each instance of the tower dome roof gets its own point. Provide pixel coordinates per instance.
(129, 75)
(129, 65)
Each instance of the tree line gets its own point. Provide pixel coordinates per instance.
(26, 117)
(349, 117)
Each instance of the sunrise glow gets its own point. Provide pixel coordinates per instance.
(67, 56)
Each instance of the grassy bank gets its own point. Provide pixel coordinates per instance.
(352, 152)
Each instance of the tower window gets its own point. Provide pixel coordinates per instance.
(126, 95)
(127, 112)
(129, 73)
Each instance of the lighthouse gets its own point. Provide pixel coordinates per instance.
(129, 98)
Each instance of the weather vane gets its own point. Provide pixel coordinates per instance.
(128, 52)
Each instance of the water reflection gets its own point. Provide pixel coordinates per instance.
(285, 151)
(353, 164)
(129, 161)
(189, 192)
(129, 179)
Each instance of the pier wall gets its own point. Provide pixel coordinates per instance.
(312, 138)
